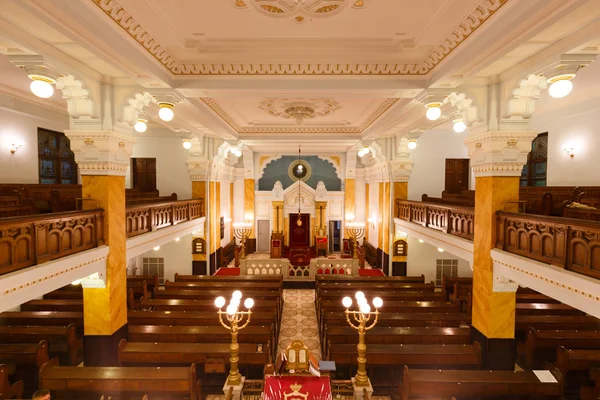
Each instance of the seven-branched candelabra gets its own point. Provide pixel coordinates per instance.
(361, 321)
(232, 319)
(242, 231)
(355, 230)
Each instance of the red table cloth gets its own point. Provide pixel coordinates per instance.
(297, 388)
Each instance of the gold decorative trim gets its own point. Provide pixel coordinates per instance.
(466, 28)
(383, 107)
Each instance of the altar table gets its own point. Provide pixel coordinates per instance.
(294, 387)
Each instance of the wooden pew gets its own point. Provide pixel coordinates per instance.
(217, 278)
(227, 286)
(549, 322)
(546, 309)
(397, 335)
(343, 278)
(569, 361)
(477, 384)
(455, 356)
(16, 211)
(53, 305)
(62, 340)
(199, 305)
(448, 284)
(404, 319)
(540, 345)
(8, 390)
(151, 280)
(74, 382)
(337, 295)
(535, 298)
(397, 307)
(43, 318)
(135, 354)
(377, 286)
(201, 334)
(26, 354)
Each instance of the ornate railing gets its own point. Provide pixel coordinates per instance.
(262, 267)
(141, 219)
(342, 390)
(31, 240)
(253, 389)
(571, 244)
(454, 220)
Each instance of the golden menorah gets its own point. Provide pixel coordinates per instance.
(362, 322)
(355, 230)
(242, 231)
(232, 319)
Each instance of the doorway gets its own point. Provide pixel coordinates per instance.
(457, 175)
(143, 174)
(263, 229)
(334, 236)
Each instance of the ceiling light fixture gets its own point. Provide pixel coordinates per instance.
(235, 151)
(299, 220)
(440, 250)
(434, 112)
(560, 85)
(41, 86)
(157, 248)
(364, 151)
(166, 111)
(140, 126)
(187, 144)
(459, 126)
(412, 144)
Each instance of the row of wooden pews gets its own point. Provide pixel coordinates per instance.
(423, 339)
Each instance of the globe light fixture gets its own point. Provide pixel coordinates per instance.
(248, 303)
(166, 111)
(421, 241)
(235, 152)
(177, 239)
(157, 248)
(187, 144)
(140, 126)
(377, 302)
(560, 85)
(77, 282)
(347, 302)
(41, 86)
(412, 144)
(459, 126)
(440, 250)
(434, 112)
(220, 302)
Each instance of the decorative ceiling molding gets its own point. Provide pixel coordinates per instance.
(383, 107)
(470, 24)
(299, 109)
(299, 11)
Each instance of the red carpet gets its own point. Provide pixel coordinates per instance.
(228, 271)
(370, 272)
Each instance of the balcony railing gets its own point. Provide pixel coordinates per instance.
(30, 240)
(572, 244)
(35, 239)
(454, 220)
(151, 217)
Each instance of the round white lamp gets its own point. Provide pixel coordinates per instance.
(166, 111)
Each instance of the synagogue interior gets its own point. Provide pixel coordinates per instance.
(299, 199)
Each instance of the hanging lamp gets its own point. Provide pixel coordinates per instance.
(299, 220)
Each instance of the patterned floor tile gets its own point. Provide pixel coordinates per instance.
(299, 320)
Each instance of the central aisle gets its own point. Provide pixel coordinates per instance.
(299, 320)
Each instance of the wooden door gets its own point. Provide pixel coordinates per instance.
(263, 235)
(457, 175)
(143, 174)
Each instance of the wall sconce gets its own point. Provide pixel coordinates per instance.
(227, 220)
(14, 148)
(372, 222)
(570, 151)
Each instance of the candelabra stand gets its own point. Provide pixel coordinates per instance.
(232, 319)
(362, 320)
(355, 230)
(242, 231)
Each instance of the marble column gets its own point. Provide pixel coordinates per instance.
(349, 202)
(497, 159)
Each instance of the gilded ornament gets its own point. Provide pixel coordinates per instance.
(88, 142)
(511, 142)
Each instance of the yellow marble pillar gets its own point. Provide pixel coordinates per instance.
(367, 215)
(105, 310)
(286, 232)
(385, 218)
(350, 202)
(380, 217)
(231, 211)
(249, 204)
(214, 206)
(199, 190)
(321, 218)
(493, 312)
(277, 216)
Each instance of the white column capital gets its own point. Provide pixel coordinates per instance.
(200, 170)
(101, 152)
(499, 153)
(401, 169)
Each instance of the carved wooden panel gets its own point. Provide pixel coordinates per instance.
(140, 219)
(27, 241)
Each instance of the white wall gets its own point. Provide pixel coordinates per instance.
(177, 255)
(225, 189)
(172, 175)
(359, 201)
(433, 147)
(573, 121)
(20, 128)
(422, 260)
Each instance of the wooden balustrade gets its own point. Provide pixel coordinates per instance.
(454, 220)
(150, 217)
(571, 244)
(31, 240)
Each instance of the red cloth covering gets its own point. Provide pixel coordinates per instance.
(228, 271)
(370, 272)
(313, 388)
